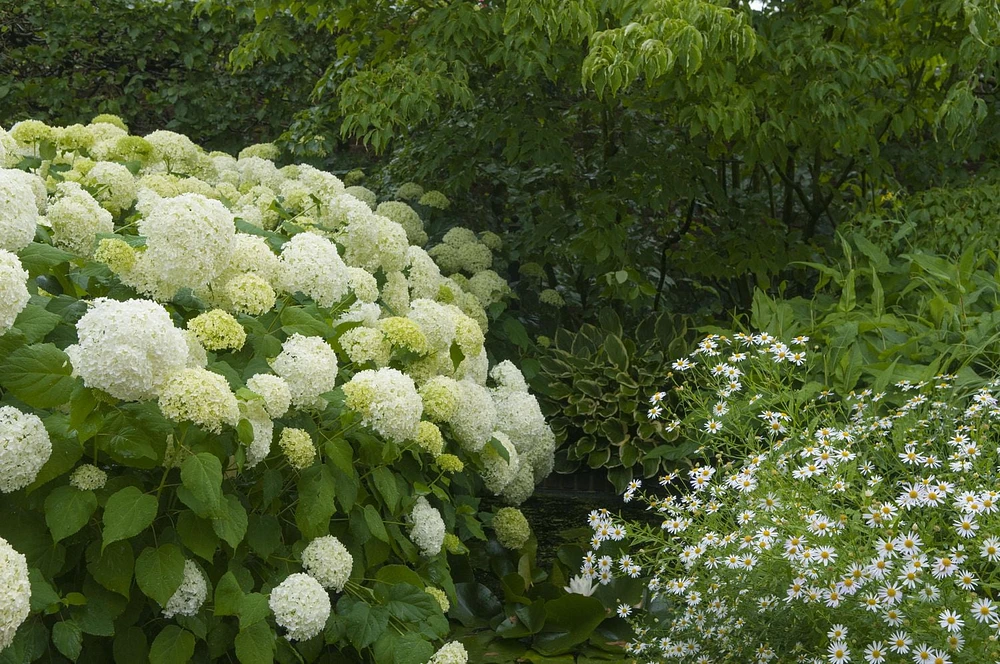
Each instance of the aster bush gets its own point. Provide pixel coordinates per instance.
(812, 526)
(243, 414)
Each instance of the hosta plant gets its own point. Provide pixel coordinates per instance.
(242, 417)
(814, 526)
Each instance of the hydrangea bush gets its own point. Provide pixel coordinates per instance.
(243, 415)
(813, 527)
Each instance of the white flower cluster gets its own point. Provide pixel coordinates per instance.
(301, 605)
(128, 349)
(328, 561)
(188, 244)
(858, 524)
(428, 529)
(13, 289)
(309, 367)
(115, 186)
(388, 402)
(452, 652)
(311, 264)
(76, 219)
(24, 448)
(88, 477)
(15, 592)
(274, 391)
(461, 251)
(18, 211)
(190, 595)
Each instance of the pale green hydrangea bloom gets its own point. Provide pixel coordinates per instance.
(298, 447)
(450, 653)
(88, 477)
(428, 529)
(24, 448)
(14, 294)
(18, 211)
(328, 561)
(309, 367)
(218, 330)
(301, 605)
(511, 528)
(15, 592)
(440, 597)
(387, 401)
(200, 396)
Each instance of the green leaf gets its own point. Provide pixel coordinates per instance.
(339, 451)
(112, 567)
(130, 646)
(498, 447)
(173, 645)
(256, 644)
(228, 595)
(616, 351)
(408, 603)
(390, 574)
(515, 333)
(366, 623)
(38, 258)
(43, 595)
(374, 522)
(232, 525)
(68, 639)
(385, 482)
(39, 375)
(264, 534)
(294, 320)
(126, 514)
(36, 322)
(317, 491)
(201, 474)
(159, 572)
(197, 535)
(407, 648)
(569, 620)
(253, 609)
(66, 451)
(67, 510)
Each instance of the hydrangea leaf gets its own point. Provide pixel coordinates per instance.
(127, 513)
(256, 644)
(40, 375)
(232, 525)
(159, 572)
(173, 645)
(67, 510)
(201, 474)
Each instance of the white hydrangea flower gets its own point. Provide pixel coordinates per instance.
(300, 605)
(388, 402)
(197, 355)
(15, 592)
(14, 294)
(508, 377)
(519, 416)
(24, 448)
(452, 652)
(18, 212)
(10, 154)
(274, 390)
(428, 528)
(200, 396)
(76, 218)
(498, 472)
(190, 595)
(263, 431)
(366, 313)
(328, 561)
(436, 321)
(257, 171)
(363, 283)
(423, 274)
(395, 294)
(37, 185)
(473, 368)
(366, 344)
(128, 349)
(474, 419)
(177, 153)
(342, 210)
(376, 243)
(520, 487)
(309, 367)
(116, 187)
(310, 264)
(88, 477)
(324, 186)
(188, 244)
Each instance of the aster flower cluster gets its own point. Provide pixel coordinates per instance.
(858, 529)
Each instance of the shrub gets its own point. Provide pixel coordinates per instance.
(815, 527)
(151, 365)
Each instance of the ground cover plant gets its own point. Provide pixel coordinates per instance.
(814, 526)
(242, 415)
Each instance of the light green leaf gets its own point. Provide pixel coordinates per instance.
(159, 572)
(228, 596)
(39, 375)
(36, 322)
(253, 609)
(317, 491)
(127, 513)
(67, 510)
(365, 623)
(374, 522)
(385, 482)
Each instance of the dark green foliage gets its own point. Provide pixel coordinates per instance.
(150, 63)
(594, 383)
